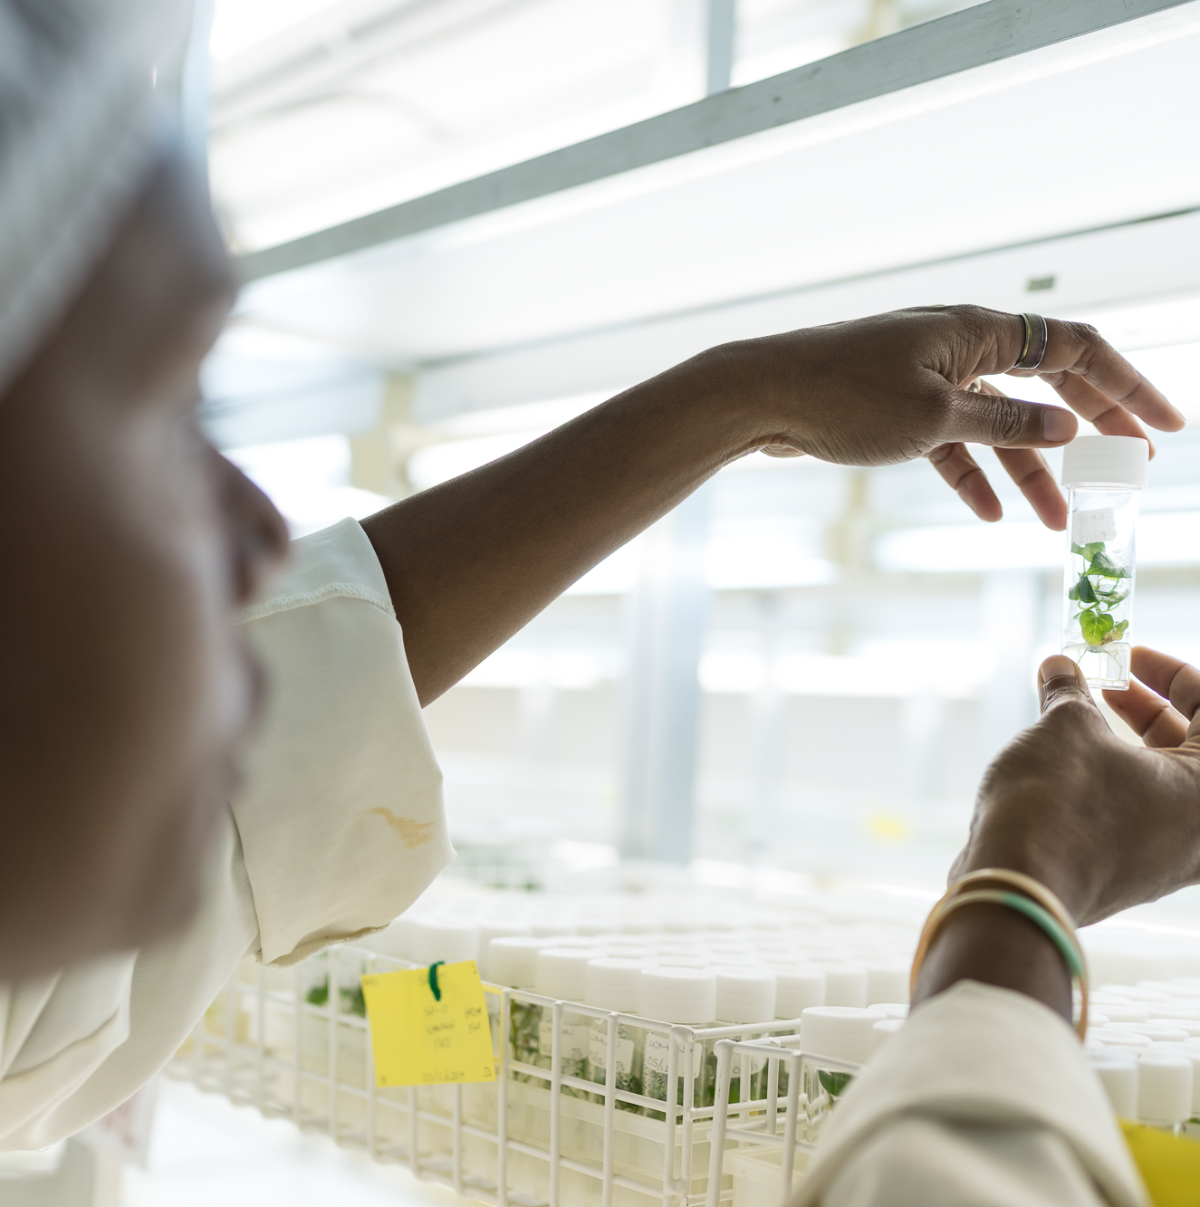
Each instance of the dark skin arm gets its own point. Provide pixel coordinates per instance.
(471, 561)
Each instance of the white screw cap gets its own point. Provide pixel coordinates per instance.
(1106, 461)
(561, 972)
(1164, 1086)
(678, 995)
(1118, 1075)
(842, 1032)
(745, 995)
(513, 961)
(796, 989)
(611, 983)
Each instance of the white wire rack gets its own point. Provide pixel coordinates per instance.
(294, 1043)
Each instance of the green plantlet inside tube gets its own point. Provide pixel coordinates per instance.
(1099, 591)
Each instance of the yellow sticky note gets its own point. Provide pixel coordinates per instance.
(419, 1040)
(1169, 1165)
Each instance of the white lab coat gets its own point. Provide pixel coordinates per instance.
(339, 830)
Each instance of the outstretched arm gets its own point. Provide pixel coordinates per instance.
(471, 561)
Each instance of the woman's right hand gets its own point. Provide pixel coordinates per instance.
(1103, 824)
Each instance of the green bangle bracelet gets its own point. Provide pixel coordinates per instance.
(1066, 944)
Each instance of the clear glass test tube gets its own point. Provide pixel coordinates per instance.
(1104, 476)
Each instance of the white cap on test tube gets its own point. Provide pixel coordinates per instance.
(561, 972)
(1164, 1085)
(613, 984)
(678, 995)
(1118, 1075)
(1116, 1013)
(845, 985)
(840, 1032)
(513, 961)
(448, 939)
(1106, 461)
(1113, 1037)
(500, 930)
(745, 995)
(1156, 1033)
(797, 988)
(887, 982)
(1192, 1052)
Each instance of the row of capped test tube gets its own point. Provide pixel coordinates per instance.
(775, 968)
(1143, 1041)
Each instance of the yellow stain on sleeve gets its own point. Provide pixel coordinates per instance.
(412, 833)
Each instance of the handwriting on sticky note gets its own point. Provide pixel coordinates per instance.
(420, 1040)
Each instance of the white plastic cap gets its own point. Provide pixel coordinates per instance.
(513, 961)
(892, 1009)
(1192, 1053)
(745, 995)
(678, 995)
(887, 982)
(1156, 1033)
(613, 984)
(446, 939)
(551, 926)
(884, 1030)
(845, 985)
(562, 972)
(1118, 1074)
(1164, 1086)
(1117, 1013)
(843, 1032)
(1106, 461)
(796, 989)
(500, 930)
(1113, 1037)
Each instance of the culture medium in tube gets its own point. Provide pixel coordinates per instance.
(1103, 476)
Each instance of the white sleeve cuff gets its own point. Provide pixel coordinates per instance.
(341, 820)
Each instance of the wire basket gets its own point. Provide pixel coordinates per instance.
(717, 1115)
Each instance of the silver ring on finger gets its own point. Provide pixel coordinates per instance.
(1037, 336)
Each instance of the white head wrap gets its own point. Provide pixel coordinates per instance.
(78, 129)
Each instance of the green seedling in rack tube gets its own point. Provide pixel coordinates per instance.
(1100, 590)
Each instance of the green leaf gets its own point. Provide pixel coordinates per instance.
(1104, 566)
(318, 995)
(1117, 633)
(1089, 551)
(1094, 626)
(834, 1083)
(1083, 591)
(352, 1000)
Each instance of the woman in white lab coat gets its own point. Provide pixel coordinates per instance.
(147, 847)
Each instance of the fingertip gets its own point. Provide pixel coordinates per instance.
(1058, 425)
(1058, 666)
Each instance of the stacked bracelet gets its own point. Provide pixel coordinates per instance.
(1033, 900)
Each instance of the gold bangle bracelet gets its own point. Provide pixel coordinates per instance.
(1059, 926)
